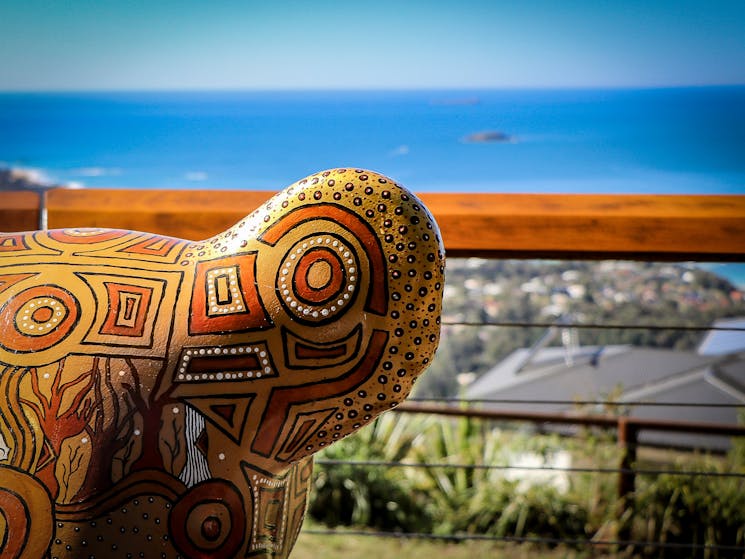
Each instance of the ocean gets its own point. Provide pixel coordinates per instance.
(680, 140)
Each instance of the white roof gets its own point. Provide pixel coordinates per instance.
(720, 342)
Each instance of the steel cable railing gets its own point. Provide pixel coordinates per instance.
(591, 326)
(567, 469)
(573, 542)
(620, 543)
(629, 543)
(599, 403)
(552, 226)
(627, 428)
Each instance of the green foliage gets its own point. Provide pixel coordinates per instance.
(374, 497)
(441, 499)
(698, 509)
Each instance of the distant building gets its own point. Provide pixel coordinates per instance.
(715, 374)
(720, 342)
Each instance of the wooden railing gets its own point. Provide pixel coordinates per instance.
(635, 227)
(639, 227)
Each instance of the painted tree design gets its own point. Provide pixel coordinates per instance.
(162, 448)
(92, 420)
(59, 424)
(108, 434)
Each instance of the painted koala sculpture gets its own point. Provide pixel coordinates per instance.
(163, 398)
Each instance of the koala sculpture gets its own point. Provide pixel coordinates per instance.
(163, 397)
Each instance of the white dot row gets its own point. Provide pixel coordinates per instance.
(183, 375)
(309, 310)
(212, 296)
(28, 324)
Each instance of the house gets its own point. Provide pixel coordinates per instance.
(726, 336)
(552, 379)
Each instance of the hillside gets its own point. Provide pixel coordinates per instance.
(542, 292)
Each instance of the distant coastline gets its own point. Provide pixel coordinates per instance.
(529, 140)
(24, 179)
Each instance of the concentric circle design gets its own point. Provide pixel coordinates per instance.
(209, 521)
(27, 515)
(42, 317)
(318, 278)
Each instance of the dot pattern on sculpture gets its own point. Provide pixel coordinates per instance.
(164, 397)
(225, 363)
(223, 292)
(39, 316)
(318, 277)
(42, 316)
(138, 528)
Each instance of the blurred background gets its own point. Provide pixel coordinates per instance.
(471, 95)
(453, 96)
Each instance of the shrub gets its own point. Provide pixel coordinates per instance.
(701, 510)
(446, 500)
(374, 497)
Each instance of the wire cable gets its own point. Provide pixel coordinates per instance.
(525, 539)
(470, 402)
(593, 326)
(567, 469)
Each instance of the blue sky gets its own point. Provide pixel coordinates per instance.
(189, 44)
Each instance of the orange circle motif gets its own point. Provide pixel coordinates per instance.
(319, 278)
(209, 521)
(26, 509)
(325, 283)
(42, 317)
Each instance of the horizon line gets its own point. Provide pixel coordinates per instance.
(322, 89)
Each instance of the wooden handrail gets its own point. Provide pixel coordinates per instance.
(582, 419)
(640, 227)
(19, 211)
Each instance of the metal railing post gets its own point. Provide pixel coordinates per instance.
(627, 436)
(43, 210)
(627, 439)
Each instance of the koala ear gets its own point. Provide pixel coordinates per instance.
(350, 272)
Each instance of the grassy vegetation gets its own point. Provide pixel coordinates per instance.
(577, 506)
(350, 546)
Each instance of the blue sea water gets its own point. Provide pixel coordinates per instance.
(686, 140)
